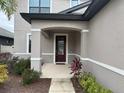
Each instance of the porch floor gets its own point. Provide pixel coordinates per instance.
(50, 70)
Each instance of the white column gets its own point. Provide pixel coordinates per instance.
(84, 43)
(36, 50)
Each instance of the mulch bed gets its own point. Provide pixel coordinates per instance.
(13, 85)
(77, 87)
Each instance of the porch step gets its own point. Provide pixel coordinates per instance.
(61, 86)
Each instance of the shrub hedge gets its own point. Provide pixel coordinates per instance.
(3, 73)
(88, 82)
(29, 76)
(21, 65)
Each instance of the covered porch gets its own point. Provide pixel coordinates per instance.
(57, 42)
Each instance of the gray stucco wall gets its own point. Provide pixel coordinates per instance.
(72, 28)
(47, 50)
(105, 39)
(105, 44)
(21, 28)
(105, 77)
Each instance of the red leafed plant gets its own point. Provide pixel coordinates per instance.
(76, 67)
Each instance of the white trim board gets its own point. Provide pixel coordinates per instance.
(47, 54)
(36, 59)
(69, 54)
(54, 45)
(109, 67)
(51, 4)
(34, 30)
(112, 68)
(22, 53)
(28, 6)
(85, 30)
(106, 66)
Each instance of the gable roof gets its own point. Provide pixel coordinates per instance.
(77, 7)
(92, 10)
(5, 33)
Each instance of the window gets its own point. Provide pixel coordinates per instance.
(29, 49)
(39, 6)
(74, 2)
(29, 43)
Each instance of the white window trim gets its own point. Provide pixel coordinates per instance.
(27, 49)
(71, 1)
(54, 46)
(28, 6)
(51, 2)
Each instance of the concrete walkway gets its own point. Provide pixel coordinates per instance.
(60, 75)
(61, 86)
(50, 70)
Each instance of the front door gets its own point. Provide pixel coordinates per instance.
(60, 49)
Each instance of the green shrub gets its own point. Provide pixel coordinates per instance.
(29, 76)
(10, 64)
(88, 82)
(21, 65)
(3, 73)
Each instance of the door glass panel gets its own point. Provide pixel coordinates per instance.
(61, 47)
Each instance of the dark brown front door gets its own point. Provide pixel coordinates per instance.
(60, 49)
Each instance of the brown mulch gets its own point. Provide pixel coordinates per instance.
(77, 87)
(13, 85)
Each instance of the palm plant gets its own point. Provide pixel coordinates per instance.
(8, 7)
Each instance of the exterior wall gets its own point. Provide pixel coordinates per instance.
(47, 50)
(105, 77)
(105, 44)
(59, 5)
(21, 29)
(106, 35)
(72, 28)
(36, 45)
(45, 24)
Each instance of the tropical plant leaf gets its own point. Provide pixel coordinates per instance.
(8, 7)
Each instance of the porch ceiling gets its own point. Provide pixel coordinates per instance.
(46, 31)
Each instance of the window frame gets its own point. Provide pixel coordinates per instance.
(71, 3)
(50, 6)
(28, 35)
